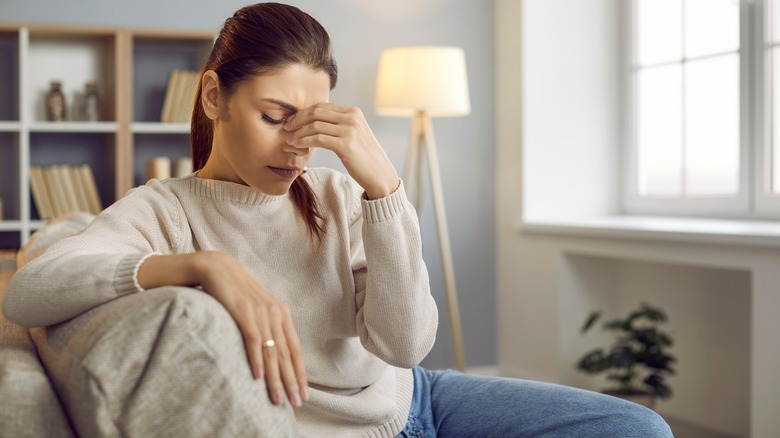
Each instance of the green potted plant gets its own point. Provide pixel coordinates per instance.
(638, 360)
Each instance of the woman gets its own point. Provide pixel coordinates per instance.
(322, 273)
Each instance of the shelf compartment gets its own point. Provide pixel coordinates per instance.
(95, 149)
(154, 58)
(9, 68)
(72, 59)
(10, 239)
(148, 146)
(9, 169)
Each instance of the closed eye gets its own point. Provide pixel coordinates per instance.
(273, 121)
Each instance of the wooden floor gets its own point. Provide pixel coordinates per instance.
(681, 429)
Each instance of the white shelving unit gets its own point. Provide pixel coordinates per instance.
(131, 67)
(159, 128)
(84, 127)
(9, 126)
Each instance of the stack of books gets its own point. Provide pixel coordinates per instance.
(61, 189)
(180, 96)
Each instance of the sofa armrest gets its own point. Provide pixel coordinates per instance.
(165, 362)
(28, 404)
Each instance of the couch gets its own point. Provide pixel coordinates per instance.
(166, 362)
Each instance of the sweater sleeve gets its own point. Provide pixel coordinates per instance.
(397, 316)
(98, 265)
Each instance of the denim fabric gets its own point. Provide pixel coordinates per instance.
(452, 404)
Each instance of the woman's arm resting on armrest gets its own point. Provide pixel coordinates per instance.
(259, 314)
(169, 362)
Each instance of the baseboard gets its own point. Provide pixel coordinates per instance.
(485, 370)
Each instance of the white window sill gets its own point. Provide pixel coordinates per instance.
(720, 231)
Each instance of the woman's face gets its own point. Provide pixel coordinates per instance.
(249, 145)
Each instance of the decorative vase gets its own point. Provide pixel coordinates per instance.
(55, 103)
(91, 102)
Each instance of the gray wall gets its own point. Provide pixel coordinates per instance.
(360, 29)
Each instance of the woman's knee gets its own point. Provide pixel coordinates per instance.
(647, 423)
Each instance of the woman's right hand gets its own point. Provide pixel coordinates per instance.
(260, 316)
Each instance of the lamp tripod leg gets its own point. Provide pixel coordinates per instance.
(444, 242)
(412, 169)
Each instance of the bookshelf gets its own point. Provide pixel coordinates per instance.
(131, 67)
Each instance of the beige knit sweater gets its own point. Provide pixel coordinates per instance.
(360, 301)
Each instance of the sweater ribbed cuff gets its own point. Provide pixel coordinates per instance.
(383, 209)
(126, 280)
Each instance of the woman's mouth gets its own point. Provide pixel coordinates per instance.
(285, 173)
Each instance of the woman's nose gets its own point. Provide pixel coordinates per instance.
(301, 152)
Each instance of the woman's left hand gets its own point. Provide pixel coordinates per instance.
(344, 131)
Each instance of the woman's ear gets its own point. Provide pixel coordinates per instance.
(209, 96)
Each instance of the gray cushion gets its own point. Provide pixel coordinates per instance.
(28, 405)
(164, 362)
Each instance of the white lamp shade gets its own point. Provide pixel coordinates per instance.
(422, 79)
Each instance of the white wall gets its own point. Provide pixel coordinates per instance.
(571, 63)
(557, 134)
(360, 29)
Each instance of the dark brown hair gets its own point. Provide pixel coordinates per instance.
(259, 39)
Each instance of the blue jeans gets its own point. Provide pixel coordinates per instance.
(452, 404)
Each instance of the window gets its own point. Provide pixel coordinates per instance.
(772, 52)
(699, 141)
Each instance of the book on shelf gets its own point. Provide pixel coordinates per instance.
(56, 193)
(162, 167)
(173, 79)
(68, 188)
(189, 96)
(158, 168)
(40, 193)
(61, 189)
(78, 188)
(88, 181)
(179, 96)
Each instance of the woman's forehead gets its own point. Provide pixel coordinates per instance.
(297, 85)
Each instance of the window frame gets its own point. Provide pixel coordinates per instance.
(766, 203)
(752, 199)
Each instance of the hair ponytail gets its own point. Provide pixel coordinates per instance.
(201, 130)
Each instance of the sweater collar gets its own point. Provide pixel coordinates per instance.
(230, 191)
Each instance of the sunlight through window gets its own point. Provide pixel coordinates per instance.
(687, 86)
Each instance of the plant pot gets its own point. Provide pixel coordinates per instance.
(643, 398)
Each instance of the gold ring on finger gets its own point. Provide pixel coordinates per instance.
(269, 344)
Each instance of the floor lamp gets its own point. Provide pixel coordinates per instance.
(424, 82)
